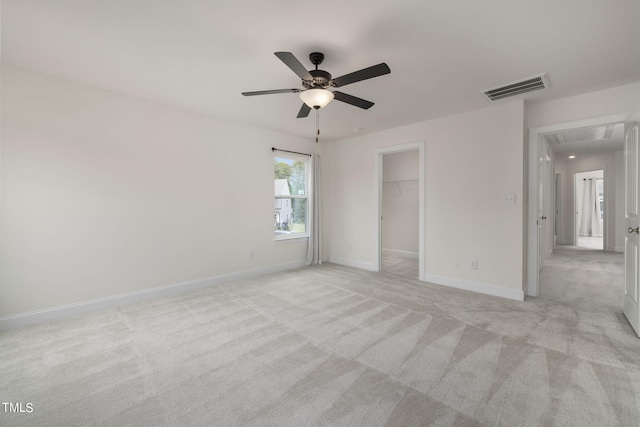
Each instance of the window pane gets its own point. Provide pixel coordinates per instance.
(600, 190)
(290, 179)
(299, 216)
(290, 216)
(298, 180)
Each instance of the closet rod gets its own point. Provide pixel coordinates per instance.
(402, 180)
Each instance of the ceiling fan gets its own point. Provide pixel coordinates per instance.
(315, 82)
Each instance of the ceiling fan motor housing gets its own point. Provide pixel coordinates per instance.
(321, 79)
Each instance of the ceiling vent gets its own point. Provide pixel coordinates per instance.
(516, 88)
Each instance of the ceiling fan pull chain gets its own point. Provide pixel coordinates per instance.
(317, 123)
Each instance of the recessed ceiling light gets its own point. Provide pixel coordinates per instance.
(356, 130)
(572, 157)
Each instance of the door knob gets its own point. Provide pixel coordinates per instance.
(633, 230)
(544, 217)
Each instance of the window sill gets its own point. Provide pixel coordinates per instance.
(293, 239)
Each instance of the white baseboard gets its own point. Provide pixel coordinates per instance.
(482, 288)
(405, 254)
(351, 263)
(467, 285)
(46, 315)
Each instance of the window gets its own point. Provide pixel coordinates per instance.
(291, 185)
(600, 191)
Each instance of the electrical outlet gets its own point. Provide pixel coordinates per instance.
(252, 255)
(508, 198)
(473, 265)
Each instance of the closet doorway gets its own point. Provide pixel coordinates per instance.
(400, 172)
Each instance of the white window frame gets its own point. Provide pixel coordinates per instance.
(307, 161)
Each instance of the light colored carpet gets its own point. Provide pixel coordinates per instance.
(400, 265)
(330, 346)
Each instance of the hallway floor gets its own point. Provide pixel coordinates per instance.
(589, 282)
(577, 284)
(590, 242)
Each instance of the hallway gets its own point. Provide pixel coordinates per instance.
(577, 285)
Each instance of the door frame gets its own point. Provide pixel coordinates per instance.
(536, 138)
(545, 197)
(420, 147)
(557, 186)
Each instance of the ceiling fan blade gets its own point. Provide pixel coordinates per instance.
(304, 111)
(269, 92)
(364, 74)
(353, 100)
(295, 65)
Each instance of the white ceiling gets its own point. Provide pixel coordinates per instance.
(201, 54)
(587, 141)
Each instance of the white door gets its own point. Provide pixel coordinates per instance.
(548, 203)
(632, 222)
(541, 174)
(545, 170)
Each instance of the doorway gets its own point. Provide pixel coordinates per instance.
(400, 242)
(400, 209)
(570, 144)
(590, 209)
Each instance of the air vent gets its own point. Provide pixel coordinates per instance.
(516, 88)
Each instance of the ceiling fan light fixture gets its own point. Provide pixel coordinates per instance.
(316, 98)
(317, 81)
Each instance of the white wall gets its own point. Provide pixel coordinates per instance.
(586, 109)
(470, 160)
(400, 205)
(612, 165)
(105, 194)
(621, 99)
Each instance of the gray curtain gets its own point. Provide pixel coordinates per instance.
(314, 254)
(591, 224)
